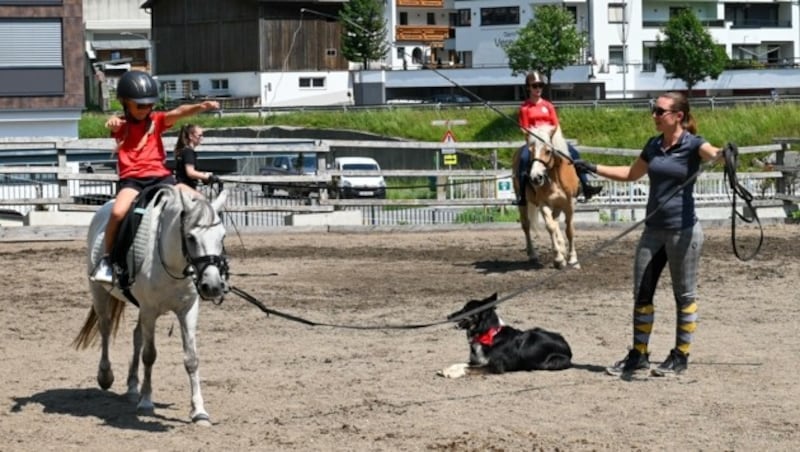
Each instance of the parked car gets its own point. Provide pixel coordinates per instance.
(449, 99)
(289, 164)
(358, 186)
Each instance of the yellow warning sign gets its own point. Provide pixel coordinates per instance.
(450, 159)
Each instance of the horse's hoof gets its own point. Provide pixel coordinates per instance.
(534, 262)
(559, 265)
(132, 395)
(575, 265)
(201, 419)
(105, 379)
(145, 408)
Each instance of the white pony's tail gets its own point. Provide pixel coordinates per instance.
(88, 333)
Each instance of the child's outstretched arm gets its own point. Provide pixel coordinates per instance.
(183, 111)
(114, 123)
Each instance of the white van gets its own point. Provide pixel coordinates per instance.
(358, 186)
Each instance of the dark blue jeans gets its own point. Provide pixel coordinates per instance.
(525, 160)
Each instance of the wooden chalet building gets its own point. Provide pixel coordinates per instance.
(245, 49)
(41, 68)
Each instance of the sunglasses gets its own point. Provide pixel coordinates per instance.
(659, 112)
(536, 85)
(143, 106)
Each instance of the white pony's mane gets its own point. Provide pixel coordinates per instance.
(198, 211)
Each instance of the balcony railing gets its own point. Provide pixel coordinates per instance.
(421, 3)
(712, 23)
(755, 23)
(422, 33)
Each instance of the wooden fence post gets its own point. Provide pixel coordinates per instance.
(780, 184)
(63, 183)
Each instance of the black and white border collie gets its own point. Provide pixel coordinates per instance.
(495, 347)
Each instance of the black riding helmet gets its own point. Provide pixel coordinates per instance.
(138, 86)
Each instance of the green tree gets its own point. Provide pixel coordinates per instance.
(688, 52)
(364, 31)
(547, 43)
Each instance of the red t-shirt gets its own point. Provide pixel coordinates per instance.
(140, 151)
(541, 113)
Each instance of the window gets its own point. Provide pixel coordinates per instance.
(676, 10)
(616, 13)
(745, 52)
(508, 15)
(331, 52)
(615, 55)
(401, 52)
(169, 85)
(31, 44)
(431, 19)
(416, 55)
(190, 88)
(169, 88)
(573, 11)
(311, 82)
(403, 18)
(464, 18)
(219, 84)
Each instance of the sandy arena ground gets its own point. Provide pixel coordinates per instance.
(272, 384)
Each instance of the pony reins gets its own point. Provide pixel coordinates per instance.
(730, 155)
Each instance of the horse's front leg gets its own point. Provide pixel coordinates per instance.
(569, 229)
(191, 362)
(551, 223)
(133, 370)
(147, 324)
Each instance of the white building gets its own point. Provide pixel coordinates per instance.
(462, 40)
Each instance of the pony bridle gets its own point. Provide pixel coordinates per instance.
(548, 165)
(196, 265)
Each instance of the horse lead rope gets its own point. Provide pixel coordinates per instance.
(729, 155)
(249, 298)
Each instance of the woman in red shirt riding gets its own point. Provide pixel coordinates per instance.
(536, 112)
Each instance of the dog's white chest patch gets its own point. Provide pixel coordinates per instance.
(477, 357)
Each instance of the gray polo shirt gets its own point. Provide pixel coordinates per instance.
(668, 169)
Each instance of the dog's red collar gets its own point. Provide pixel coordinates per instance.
(487, 338)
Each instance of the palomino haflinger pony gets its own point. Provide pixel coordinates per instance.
(179, 259)
(551, 189)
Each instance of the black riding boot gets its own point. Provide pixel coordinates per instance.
(520, 201)
(589, 191)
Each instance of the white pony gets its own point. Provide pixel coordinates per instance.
(179, 259)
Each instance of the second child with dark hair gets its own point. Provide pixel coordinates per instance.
(186, 171)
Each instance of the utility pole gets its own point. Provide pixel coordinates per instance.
(624, 49)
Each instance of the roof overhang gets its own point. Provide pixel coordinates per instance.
(121, 44)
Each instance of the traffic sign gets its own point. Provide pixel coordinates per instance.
(448, 138)
(450, 159)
